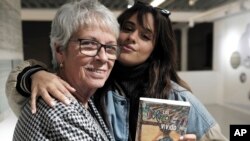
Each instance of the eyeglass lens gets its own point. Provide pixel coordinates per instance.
(91, 48)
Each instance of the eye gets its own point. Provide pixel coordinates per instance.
(112, 49)
(87, 42)
(127, 28)
(146, 36)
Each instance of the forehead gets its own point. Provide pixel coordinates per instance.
(99, 27)
(145, 22)
(94, 32)
(97, 21)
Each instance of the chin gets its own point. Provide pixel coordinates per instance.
(97, 84)
(127, 59)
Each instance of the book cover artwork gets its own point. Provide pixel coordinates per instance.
(161, 120)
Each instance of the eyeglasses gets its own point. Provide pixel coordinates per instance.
(91, 48)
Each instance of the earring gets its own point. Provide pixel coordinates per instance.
(61, 65)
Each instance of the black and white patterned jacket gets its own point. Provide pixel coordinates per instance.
(71, 123)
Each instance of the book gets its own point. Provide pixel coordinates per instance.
(161, 119)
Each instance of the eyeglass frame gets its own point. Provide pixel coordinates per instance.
(99, 46)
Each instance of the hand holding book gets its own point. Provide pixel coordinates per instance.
(162, 120)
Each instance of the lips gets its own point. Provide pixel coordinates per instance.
(127, 48)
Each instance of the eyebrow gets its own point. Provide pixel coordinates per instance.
(129, 22)
(148, 30)
(95, 39)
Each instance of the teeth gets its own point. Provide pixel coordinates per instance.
(94, 70)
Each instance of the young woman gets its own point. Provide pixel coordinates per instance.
(146, 67)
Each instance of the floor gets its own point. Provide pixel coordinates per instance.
(227, 116)
(224, 116)
(7, 126)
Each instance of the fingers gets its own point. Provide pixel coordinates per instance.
(49, 86)
(33, 100)
(68, 87)
(188, 137)
(61, 90)
(46, 97)
(60, 94)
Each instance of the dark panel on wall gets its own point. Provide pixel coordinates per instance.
(178, 45)
(200, 47)
(36, 41)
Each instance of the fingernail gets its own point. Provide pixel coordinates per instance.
(67, 101)
(33, 111)
(181, 137)
(67, 95)
(53, 103)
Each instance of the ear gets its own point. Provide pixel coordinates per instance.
(59, 54)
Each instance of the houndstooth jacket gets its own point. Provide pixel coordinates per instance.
(71, 123)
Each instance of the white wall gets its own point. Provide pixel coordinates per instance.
(227, 34)
(10, 30)
(222, 85)
(7, 118)
(204, 84)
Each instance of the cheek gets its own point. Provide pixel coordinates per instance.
(145, 50)
(122, 36)
(110, 65)
(77, 62)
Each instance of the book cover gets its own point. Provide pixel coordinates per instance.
(161, 120)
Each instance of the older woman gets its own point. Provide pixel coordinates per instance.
(84, 46)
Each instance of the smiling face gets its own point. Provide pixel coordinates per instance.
(83, 72)
(137, 42)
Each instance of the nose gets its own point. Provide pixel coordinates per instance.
(132, 36)
(101, 55)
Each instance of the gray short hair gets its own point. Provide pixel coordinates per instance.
(79, 13)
